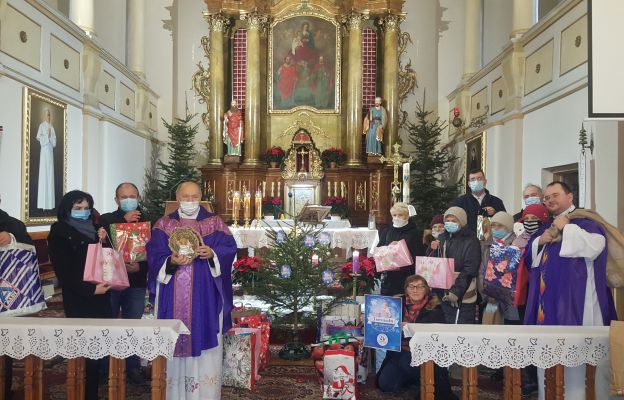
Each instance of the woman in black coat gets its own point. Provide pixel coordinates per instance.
(402, 228)
(422, 307)
(68, 242)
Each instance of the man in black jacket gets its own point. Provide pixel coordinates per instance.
(479, 201)
(11, 228)
(130, 301)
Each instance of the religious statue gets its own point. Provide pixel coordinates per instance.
(374, 125)
(233, 130)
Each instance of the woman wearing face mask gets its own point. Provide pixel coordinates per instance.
(460, 243)
(68, 241)
(402, 228)
(437, 228)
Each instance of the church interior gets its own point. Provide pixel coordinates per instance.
(301, 103)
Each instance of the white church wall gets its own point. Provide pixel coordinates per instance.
(497, 22)
(608, 142)
(110, 27)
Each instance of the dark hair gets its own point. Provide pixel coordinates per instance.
(68, 201)
(476, 171)
(123, 184)
(566, 188)
(413, 278)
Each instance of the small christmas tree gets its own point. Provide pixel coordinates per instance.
(161, 182)
(431, 193)
(297, 267)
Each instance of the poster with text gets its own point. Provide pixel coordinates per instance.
(382, 324)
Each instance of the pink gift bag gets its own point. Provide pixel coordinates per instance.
(105, 265)
(393, 256)
(437, 271)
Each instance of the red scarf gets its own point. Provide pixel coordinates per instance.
(412, 310)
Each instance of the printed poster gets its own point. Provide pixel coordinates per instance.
(382, 323)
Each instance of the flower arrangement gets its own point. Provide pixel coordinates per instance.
(271, 205)
(366, 282)
(274, 154)
(333, 155)
(338, 205)
(245, 268)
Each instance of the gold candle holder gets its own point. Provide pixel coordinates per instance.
(355, 284)
(247, 208)
(258, 203)
(235, 208)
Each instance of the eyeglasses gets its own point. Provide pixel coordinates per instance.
(417, 287)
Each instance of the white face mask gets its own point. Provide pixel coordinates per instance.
(435, 234)
(189, 207)
(399, 222)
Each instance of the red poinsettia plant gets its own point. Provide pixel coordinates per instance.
(271, 205)
(274, 154)
(244, 268)
(367, 278)
(338, 205)
(333, 154)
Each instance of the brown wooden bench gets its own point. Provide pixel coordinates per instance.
(40, 240)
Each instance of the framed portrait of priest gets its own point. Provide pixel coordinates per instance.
(304, 64)
(474, 156)
(44, 157)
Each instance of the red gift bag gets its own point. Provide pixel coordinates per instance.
(105, 265)
(130, 239)
(261, 322)
(437, 271)
(393, 256)
(241, 353)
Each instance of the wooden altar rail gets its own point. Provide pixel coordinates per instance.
(33, 378)
(512, 390)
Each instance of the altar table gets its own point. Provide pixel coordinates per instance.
(509, 346)
(328, 223)
(38, 339)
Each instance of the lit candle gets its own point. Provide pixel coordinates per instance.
(235, 205)
(258, 200)
(247, 205)
(356, 261)
(315, 259)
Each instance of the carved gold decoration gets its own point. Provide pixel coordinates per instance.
(360, 196)
(396, 160)
(391, 22)
(304, 120)
(375, 178)
(354, 20)
(201, 81)
(303, 146)
(407, 77)
(217, 22)
(255, 20)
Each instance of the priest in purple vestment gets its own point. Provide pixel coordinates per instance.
(195, 288)
(568, 280)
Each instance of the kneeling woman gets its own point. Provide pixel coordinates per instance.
(422, 307)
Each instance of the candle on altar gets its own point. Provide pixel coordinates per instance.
(336, 188)
(258, 200)
(235, 205)
(315, 259)
(356, 261)
(263, 188)
(328, 189)
(272, 188)
(342, 189)
(247, 205)
(279, 188)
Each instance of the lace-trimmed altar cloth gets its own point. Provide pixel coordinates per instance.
(91, 338)
(496, 346)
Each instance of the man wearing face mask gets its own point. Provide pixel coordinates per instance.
(196, 289)
(403, 227)
(130, 301)
(479, 201)
(460, 243)
(532, 194)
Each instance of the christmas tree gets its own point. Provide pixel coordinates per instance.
(431, 193)
(297, 267)
(161, 182)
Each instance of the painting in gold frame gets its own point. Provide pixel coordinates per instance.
(474, 156)
(44, 157)
(304, 64)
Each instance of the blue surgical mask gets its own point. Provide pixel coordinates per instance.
(128, 204)
(499, 233)
(476, 186)
(451, 227)
(81, 214)
(532, 200)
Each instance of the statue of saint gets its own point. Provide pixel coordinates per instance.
(233, 130)
(374, 125)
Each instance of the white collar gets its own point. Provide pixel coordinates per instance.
(569, 210)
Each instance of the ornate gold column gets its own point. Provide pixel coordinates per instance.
(353, 23)
(218, 25)
(255, 24)
(389, 91)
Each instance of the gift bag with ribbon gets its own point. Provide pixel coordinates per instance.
(130, 240)
(241, 354)
(393, 256)
(261, 322)
(501, 272)
(437, 271)
(20, 286)
(105, 265)
(340, 375)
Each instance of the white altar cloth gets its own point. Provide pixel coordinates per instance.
(496, 346)
(345, 238)
(329, 224)
(91, 338)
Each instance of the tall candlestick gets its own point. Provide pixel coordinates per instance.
(258, 201)
(328, 189)
(272, 188)
(279, 189)
(336, 188)
(235, 208)
(356, 261)
(263, 188)
(247, 208)
(342, 189)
